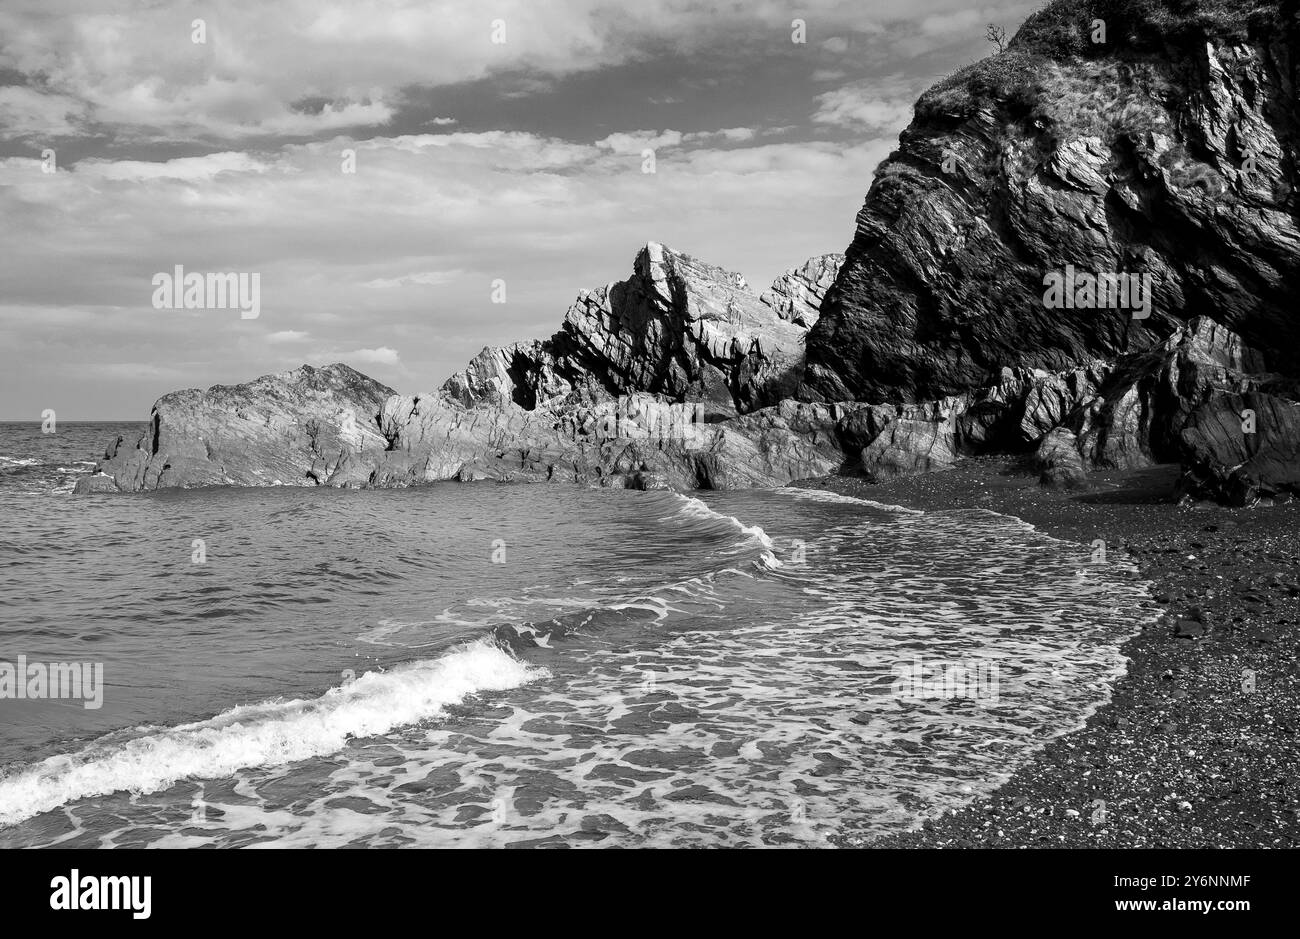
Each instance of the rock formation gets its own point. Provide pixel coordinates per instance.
(678, 328)
(1169, 149)
(679, 375)
(309, 425)
(1083, 251)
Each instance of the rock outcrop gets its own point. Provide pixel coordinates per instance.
(1168, 150)
(677, 328)
(1059, 461)
(679, 376)
(797, 294)
(304, 427)
(1241, 449)
(1137, 416)
(1083, 252)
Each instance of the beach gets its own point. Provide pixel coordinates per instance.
(1188, 753)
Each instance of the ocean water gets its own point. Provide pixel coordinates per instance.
(533, 665)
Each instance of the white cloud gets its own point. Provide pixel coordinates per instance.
(134, 66)
(422, 279)
(879, 105)
(381, 356)
(437, 216)
(636, 141)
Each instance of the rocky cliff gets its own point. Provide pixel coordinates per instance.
(677, 328)
(1143, 137)
(1082, 251)
(678, 376)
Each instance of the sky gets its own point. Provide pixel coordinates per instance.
(389, 169)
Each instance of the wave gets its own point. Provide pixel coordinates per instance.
(20, 461)
(825, 495)
(268, 734)
(690, 507)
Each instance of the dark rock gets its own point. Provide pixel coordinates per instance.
(1002, 179)
(1059, 461)
(1228, 464)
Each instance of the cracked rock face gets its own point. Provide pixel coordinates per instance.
(678, 328)
(797, 295)
(1168, 152)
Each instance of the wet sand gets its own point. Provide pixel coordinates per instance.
(1198, 746)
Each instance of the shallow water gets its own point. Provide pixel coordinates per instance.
(517, 665)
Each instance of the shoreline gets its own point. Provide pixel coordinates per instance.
(1185, 754)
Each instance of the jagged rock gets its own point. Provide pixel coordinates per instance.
(1014, 414)
(1168, 150)
(1059, 461)
(677, 328)
(98, 482)
(1225, 461)
(305, 427)
(1138, 414)
(797, 294)
(906, 447)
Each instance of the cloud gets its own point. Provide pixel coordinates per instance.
(636, 141)
(381, 356)
(422, 279)
(877, 105)
(400, 255)
(26, 112)
(136, 67)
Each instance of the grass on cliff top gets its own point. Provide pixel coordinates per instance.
(1063, 30)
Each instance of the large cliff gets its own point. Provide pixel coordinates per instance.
(1115, 136)
(678, 376)
(1148, 145)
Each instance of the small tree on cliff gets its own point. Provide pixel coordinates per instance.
(997, 35)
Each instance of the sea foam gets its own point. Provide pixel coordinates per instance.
(267, 734)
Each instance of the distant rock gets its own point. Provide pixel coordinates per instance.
(309, 426)
(797, 294)
(677, 328)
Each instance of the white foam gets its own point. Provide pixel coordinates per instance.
(694, 508)
(823, 495)
(270, 734)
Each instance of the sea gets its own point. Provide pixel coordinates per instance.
(525, 665)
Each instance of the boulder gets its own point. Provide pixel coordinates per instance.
(1059, 462)
(1240, 449)
(907, 447)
